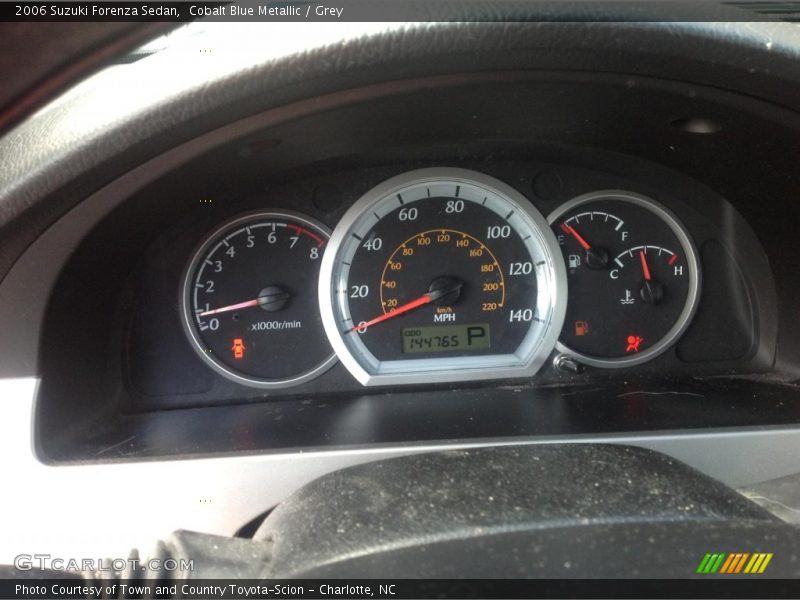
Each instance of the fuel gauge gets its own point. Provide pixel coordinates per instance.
(633, 278)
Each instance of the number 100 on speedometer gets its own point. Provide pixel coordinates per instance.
(442, 275)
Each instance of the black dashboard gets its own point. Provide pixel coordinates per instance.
(715, 322)
(231, 275)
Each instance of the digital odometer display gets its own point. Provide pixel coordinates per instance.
(439, 254)
(446, 337)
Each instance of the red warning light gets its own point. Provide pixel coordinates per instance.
(633, 343)
(238, 348)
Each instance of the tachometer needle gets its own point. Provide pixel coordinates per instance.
(645, 268)
(215, 311)
(570, 230)
(271, 298)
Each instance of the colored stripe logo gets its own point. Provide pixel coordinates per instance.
(734, 563)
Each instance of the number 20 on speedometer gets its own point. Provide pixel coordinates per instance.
(442, 275)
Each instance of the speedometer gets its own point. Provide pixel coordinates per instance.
(442, 275)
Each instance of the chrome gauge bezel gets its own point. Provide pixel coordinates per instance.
(187, 287)
(502, 199)
(692, 263)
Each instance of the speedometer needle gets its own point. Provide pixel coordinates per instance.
(448, 287)
(421, 301)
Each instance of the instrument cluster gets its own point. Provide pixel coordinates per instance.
(440, 275)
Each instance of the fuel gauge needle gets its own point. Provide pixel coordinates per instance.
(596, 258)
(570, 230)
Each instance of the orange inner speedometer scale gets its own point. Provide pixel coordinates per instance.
(427, 246)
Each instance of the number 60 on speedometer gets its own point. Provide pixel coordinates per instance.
(442, 275)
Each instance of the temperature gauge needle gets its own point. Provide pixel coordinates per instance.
(652, 291)
(645, 268)
(444, 286)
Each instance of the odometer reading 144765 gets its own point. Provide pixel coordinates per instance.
(446, 338)
(438, 251)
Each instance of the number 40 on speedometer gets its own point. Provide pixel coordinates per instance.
(442, 275)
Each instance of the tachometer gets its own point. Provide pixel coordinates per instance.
(249, 300)
(442, 275)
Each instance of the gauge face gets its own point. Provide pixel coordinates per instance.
(250, 300)
(442, 275)
(632, 274)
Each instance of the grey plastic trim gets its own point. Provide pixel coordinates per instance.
(220, 494)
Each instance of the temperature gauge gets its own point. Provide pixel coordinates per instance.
(633, 278)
